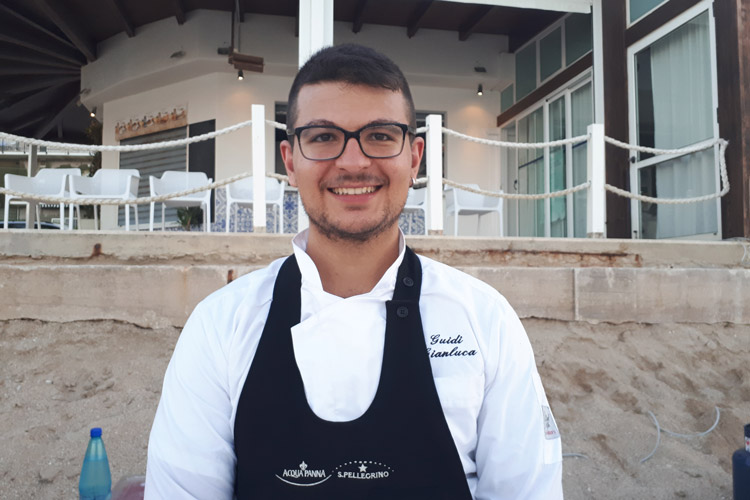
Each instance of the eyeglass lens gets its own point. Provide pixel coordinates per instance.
(377, 141)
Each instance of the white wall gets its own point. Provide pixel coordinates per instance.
(135, 76)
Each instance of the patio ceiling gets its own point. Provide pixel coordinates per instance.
(44, 43)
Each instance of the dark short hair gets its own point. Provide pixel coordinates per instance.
(355, 65)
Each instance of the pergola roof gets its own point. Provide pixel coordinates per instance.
(44, 43)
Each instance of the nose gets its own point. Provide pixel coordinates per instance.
(352, 158)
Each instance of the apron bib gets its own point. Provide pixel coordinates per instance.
(399, 449)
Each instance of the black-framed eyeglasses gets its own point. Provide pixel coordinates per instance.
(327, 142)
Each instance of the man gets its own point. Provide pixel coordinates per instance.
(353, 369)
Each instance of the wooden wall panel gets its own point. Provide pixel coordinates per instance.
(733, 65)
(616, 116)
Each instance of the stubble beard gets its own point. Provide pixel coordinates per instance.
(336, 233)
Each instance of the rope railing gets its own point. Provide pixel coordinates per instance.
(127, 147)
(613, 189)
(505, 144)
(511, 196)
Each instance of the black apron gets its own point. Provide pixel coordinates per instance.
(399, 449)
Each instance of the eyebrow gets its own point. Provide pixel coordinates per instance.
(327, 123)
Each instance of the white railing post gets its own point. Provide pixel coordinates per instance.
(596, 201)
(259, 168)
(32, 169)
(434, 153)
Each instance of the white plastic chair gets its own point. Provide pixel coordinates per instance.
(460, 202)
(106, 183)
(240, 193)
(173, 181)
(47, 182)
(415, 203)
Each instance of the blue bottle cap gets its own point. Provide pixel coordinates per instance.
(96, 432)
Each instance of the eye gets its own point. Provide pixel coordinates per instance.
(380, 135)
(322, 137)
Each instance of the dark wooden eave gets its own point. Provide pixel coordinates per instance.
(417, 16)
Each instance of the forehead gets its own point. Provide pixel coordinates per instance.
(348, 105)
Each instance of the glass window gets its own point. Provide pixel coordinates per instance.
(531, 175)
(582, 114)
(674, 109)
(578, 37)
(557, 168)
(525, 71)
(638, 8)
(506, 98)
(550, 54)
(683, 177)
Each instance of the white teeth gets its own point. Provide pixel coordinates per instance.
(360, 190)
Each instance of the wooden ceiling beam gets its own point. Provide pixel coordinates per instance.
(21, 54)
(179, 11)
(20, 102)
(471, 23)
(19, 85)
(69, 24)
(4, 9)
(417, 16)
(54, 118)
(28, 121)
(359, 15)
(124, 18)
(34, 69)
(18, 35)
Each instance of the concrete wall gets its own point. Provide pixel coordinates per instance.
(157, 279)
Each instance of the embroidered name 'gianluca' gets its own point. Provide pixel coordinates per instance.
(438, 340)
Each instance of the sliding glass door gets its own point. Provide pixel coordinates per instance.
(530, 171)
(673, 105)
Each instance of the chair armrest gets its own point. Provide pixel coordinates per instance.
(81, 186)
(19, 183)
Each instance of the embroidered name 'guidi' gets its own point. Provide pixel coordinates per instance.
(437, 341)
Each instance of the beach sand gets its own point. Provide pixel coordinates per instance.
(59, 379)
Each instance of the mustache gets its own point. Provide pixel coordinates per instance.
(348, 179)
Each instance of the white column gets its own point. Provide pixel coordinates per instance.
(259, 168)
(598, 46)
(315, 33)
(434, 148)
(315, 27)
(32, 168)
(596, 202)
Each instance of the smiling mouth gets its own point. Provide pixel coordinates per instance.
(354, 191)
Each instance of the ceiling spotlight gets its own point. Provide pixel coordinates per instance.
(240, 76)
(92, 114)
(480, 89)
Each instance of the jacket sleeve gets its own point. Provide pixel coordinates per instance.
(191, 446)
(518, 453)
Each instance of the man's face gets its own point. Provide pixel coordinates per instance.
(352, 197)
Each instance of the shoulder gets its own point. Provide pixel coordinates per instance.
(221, 310)
(442, 279)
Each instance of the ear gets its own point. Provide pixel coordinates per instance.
(417, 150)
(287, 156)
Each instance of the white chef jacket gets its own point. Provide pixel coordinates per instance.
(481, 358)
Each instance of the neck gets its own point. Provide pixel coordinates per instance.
(349, 268)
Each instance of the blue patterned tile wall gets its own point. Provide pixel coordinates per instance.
(242, 220)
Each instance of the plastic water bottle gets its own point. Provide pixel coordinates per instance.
(741, 469)
(96, 481)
